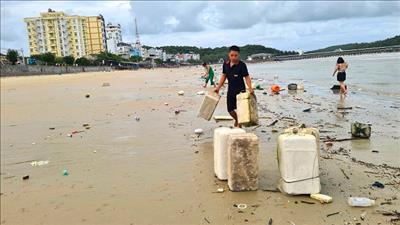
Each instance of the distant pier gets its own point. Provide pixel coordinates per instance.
(395, 48)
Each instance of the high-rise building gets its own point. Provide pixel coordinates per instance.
(66, 35)
(95, 35)
(114, 36)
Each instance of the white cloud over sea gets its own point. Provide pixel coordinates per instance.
(284, 25)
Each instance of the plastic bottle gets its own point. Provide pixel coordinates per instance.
(360, 202)
(276, 77)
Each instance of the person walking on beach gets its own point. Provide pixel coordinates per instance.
(340, 68)
(236, 72)
(209, 74)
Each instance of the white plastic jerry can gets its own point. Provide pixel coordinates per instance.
(221, 135)
(208, 105)
(247, 111)
(298, 160)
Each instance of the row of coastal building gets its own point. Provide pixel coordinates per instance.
(81, 36)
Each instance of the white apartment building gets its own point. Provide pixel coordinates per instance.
(155, 53)
(186, 56)
(114, 36)
(124, 49)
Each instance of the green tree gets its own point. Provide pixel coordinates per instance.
(158, 61)
(12, 56)
(107, 56)
(48, 58)
(59, 60)
(192, 61)
(83, 61)
(382, 43)
(135, 58)
(69, 60)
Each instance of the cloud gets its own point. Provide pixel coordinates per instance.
(199, 16)
(284, 25)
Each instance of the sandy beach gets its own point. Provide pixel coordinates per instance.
(140, 163)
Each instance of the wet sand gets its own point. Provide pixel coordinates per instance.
(155, 170)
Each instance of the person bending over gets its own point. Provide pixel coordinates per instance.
(236, 72)
(209, 74)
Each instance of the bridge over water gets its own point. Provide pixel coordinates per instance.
(394, 48)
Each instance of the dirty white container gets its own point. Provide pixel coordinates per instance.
(242, 162)
(221, 135)
(300, 85)
(247, 111)
(298, 159)
(208, 105)
(306, 130)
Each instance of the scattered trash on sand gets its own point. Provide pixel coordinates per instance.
(77, 131)
(220, 190)
(307, 110)
(181, 92)
(105, 84)
(240, 206)
(344, 174)
(52, 128)
(137, 118)
(87, 96)
(270, 221)
(198, 131)
(360, 202)
(344, 108)
(292, 86)
(329, 144)
(332, 214)
(65, 172)
(33, 143)
(39, 163)
(94, 151)
(363, 215)
(378, 184)
(360, 130)
(165, 103)
(177, 111)
(220, 118)
(273, 123)
(322, 198)
(25, 177)
(307, 202)
(200, 92)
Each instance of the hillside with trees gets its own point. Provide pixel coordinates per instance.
(382, 43)
(214, 54)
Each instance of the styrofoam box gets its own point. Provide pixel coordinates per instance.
(221, 150)
(247, 111)
(207, 108)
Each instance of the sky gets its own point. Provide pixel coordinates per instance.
(293, 25)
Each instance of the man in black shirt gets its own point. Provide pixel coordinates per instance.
(236, 72)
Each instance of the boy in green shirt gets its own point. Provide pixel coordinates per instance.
(209, 74)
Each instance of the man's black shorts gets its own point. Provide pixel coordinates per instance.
(231, 102)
